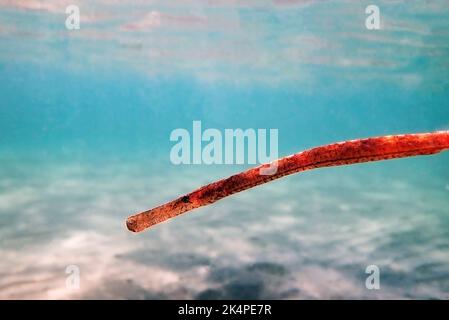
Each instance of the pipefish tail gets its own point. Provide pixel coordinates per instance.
(336, 154)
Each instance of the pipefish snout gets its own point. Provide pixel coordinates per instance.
(336, 154)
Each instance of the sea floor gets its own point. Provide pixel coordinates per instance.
(307, 236)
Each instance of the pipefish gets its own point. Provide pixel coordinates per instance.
(336, 154)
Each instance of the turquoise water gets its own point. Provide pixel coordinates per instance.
(86, 115)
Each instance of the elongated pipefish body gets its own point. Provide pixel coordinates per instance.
(336, 154)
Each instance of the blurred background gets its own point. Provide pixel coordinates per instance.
(85, 119)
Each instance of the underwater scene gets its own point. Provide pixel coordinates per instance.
(95, 95)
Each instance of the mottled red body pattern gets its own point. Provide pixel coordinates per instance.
(342, 153)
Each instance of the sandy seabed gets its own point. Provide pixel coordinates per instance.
(303, 237)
